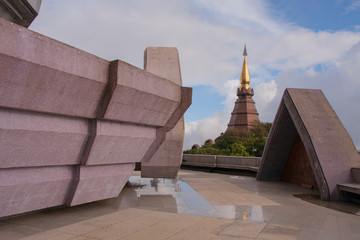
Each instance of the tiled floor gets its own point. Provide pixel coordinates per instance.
(196, 206)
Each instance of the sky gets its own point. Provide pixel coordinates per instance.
(290, 44)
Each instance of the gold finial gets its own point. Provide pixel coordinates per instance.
(245, 52)
(245, 77)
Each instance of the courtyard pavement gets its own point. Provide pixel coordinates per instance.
(197, 205)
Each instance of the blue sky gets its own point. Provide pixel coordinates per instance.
(307, 44)
(319, 15)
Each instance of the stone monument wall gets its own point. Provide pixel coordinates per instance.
(72, 125)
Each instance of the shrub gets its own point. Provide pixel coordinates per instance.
(238, 143)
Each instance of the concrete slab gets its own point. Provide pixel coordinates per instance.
(48, 76)
(164, 62)
(29, 139)
(137, 96)
(29, 189)
(113, 142)
(93, 183)
(166, 161)
(350, 187)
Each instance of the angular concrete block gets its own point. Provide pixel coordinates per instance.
(42, 74)
(21, 12)
(60, 106)
(114, 142)
(137, 96)
(165, 136)
(164, 62)
(29, 189)
(99, 182)
(34, 139)
(166, 161)
(185, 102)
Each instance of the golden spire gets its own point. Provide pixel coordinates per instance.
(245, 77)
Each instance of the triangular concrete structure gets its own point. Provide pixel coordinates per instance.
(306, 115)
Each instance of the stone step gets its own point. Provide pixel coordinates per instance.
(355, 171)
(350, 191)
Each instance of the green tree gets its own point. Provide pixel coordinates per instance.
(237, 149)
(228, 138)
(255, 146)
(238, 143)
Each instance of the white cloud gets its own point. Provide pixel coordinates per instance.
(210, 36)
(197, 132)
(264, 94)
(355, 4)
(340, 85)
(210, 50)
(229, 90)
(252, 17)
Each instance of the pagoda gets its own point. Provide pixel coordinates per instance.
(244, 112)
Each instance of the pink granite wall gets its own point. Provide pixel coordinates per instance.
(29, 139)
(42, 74)
(32, 188)
(99, 182)
(118, 143)
(166, 155)
(137, 96)
(73, 125)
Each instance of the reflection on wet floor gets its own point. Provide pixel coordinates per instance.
(174, 195)
(196, 206)
(346, 207)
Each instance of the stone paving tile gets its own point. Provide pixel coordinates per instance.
(222, 237)
(8, 234)
(244, 229)
(182, 221)
(52, 234)
(18, 232)
(82, 238)
(186, 235)
(158, 231)
(211, 225)
(278, 232)
(318, 234)
(114, 231)
(121, 216)
(151, 218)
(273, 236)
(83, 227)
(219, 192)
(270, 211)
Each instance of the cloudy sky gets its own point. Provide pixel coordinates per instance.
(297, 43)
